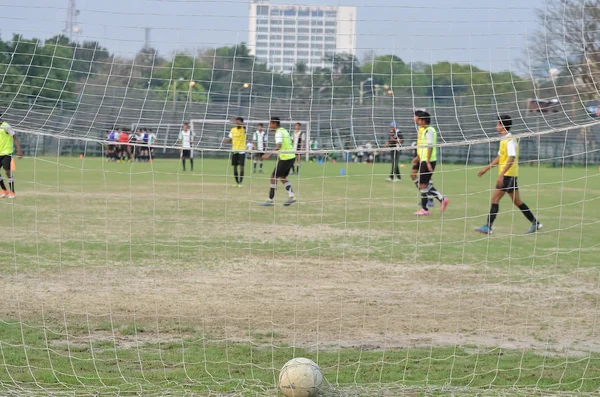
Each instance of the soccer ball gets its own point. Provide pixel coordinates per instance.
(300, 377)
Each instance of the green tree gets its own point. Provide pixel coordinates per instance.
(183, 76)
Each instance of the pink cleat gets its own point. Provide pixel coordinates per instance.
(444, 204)
(421, 212)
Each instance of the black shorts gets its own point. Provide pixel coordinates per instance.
(509, 184)
(238, 159)
(258, 156)
(283, 168)
(424, 174)
(111, 148)
(186, 154)
(5, 162)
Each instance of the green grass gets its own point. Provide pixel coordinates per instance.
(133, 233)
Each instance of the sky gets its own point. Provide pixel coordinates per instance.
(488, 33)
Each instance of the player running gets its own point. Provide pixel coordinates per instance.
(284, 145)
(8, 141)
(508, 171)
(427, 159)
(237, 138)
(186, 140)
(259, 139)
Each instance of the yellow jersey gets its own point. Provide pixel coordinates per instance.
(238, 139)
(427, 138)
(508, 148)
(6, 139)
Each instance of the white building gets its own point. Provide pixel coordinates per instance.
(283, 35)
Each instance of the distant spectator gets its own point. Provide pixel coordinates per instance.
(348, 150)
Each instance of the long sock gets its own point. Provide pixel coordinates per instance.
(288, 187)
(255, 166)
(11, 184)
(183, 161)
(433, 192)
(416, 181)
(260, 165)
(241, 174)
(272, 191)
(235, 174)
(527, 212)
(424, 200)
(492, 216)
(2, 185)
(298, 169)
(192, 164)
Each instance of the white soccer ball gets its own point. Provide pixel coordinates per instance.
(300, 377)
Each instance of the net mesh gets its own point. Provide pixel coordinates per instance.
(135, 276)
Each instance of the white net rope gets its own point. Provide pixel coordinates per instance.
(125, 273)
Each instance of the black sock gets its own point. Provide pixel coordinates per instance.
(183, 161)
(272, 192)
(260, 165)
(416, 181)
(527, 212)
(2, 185)
(11, 184)
(424, 201)
(433, 192)
(492, 216)
(255, 166)
(241, 174)
(298, 169)
(235, 174)
(192, 164)
(288, 187)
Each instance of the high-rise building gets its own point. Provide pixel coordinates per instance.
(284, 35)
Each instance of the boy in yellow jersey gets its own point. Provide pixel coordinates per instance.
(427, 160)
(8, 141)
(237, 138)
(284, 144)
(508, 171)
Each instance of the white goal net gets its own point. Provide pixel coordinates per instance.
(417, 245)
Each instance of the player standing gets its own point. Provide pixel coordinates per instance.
(284, 145)
(259, 139)
(237, 138)
(395, 140)
(508, 172)
(8, 141)
(186, 140)
(427, 159)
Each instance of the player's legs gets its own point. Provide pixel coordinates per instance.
(494, 208)
(427, 189)
(4, 163)
(191, 160)
(234, 163)
(516, 199)
(281, 172)
(242, 164)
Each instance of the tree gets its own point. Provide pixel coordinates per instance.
(568, 38)
(184, 75)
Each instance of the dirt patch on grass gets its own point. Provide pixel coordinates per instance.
(318, 303)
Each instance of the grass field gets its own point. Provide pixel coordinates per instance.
(139, 278)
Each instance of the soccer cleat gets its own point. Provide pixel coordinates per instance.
(240, 185)
(12, 195)
(289, 202)
(534, 228)
(485, 229)
(261, 171)
(421, 212)
(268, 203)
(235, 185)
(389, 180)
(397, 180)
(444, 204)
(4, 194)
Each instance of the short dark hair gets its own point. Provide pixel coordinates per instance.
(240, 119)
(506, 121)
(276, 120)
(260, 125)
(186, 123)
(300, 124)
(423, 115)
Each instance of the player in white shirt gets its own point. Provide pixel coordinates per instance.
(186, 140)
(298, 145)
(260, 139)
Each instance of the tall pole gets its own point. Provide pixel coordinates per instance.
(71, 26)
